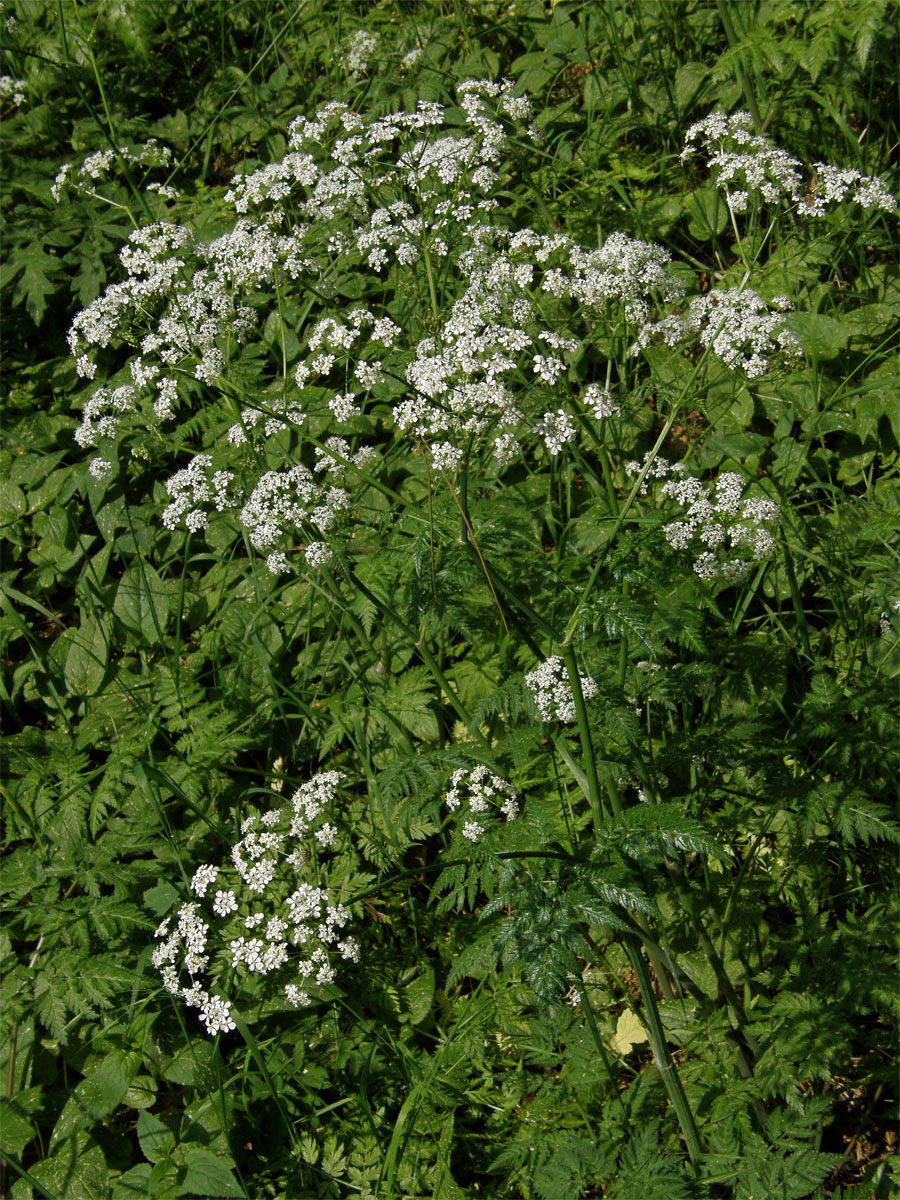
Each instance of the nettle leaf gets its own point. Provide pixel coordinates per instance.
(156, 1139)
(98, 1094)
(206, 1175)
(77, 1167)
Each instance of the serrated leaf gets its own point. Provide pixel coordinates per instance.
(206, 1175)
(98, 1094)
(156, 1139)
(34, 285)
(409, 699)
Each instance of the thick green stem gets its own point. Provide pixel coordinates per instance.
(661, 1055)
(590, 766)
(654, 1025)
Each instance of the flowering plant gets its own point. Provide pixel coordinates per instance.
(267, 920)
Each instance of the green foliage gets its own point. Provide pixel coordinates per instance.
(725, 800)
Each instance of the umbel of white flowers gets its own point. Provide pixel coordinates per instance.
(262, 914)
(479, 795)
(552, 692)
(494, 376)
(719, 519)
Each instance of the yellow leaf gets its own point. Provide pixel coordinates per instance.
(629, 1033)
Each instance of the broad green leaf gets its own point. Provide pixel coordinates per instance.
(133, 1184)
(87, 658)
(142, 602)
(98, 1094)
(75, 1170)
(12, 502)
(156, 1139)
(206, 1175)
(707, 212)
(16, 1128)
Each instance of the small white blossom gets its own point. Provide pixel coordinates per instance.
(224, 903)
(552, 692)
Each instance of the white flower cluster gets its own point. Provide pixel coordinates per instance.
(747, 165)
(293, 922)
(96, 165)
(12, 89)
(194, 487)
(552, 692)
(182, 302)
(356, 53)
(737, 324)
(720, 519)
(480, 793)
(463, 378)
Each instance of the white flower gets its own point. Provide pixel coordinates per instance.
(477, 790)
(601, 402)
(288, 913)
(203, 877)
(296, 997)
(356, 53)
(216, 1016)
(224, 903)
(552, 693)
(318, 554)
(717, 516)
(555, 429)
(100, 468)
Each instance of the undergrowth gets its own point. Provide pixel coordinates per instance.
(451, 626)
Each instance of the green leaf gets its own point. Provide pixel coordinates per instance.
(34, 286)
(134, 1183)
(12, 502)
(206, 1175)
(16, 1129)
(419, 995)
(707, 212)
(75, 1170)
(88, 657)
(160, 899)
(142, 602)
(157, 1140)
(409, 698)
(98, 1094)
(821, 337)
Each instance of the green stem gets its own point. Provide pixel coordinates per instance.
(601, 1050)
(661, 1056)
(590, 765)
(745, 85)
